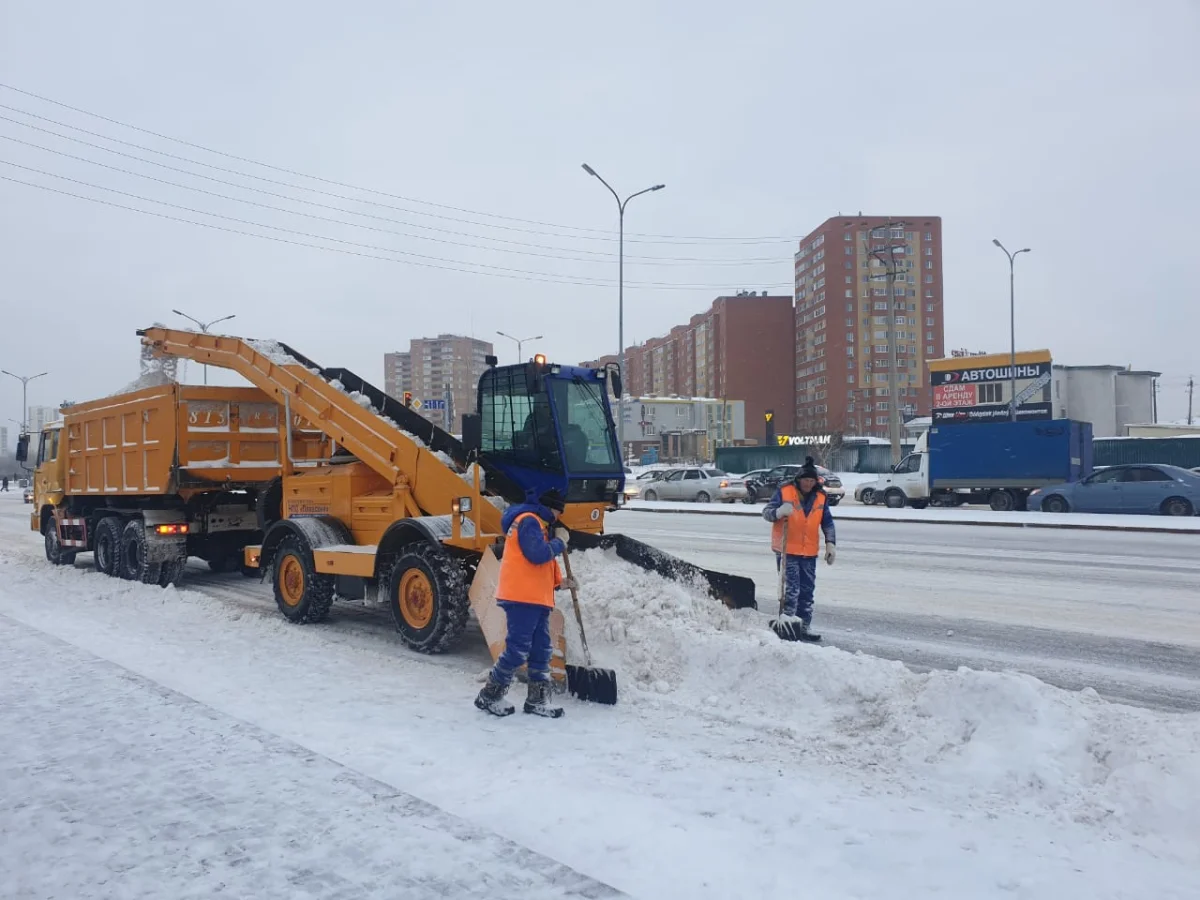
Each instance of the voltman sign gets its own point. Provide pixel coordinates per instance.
(979, 388)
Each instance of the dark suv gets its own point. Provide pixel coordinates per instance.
(762, 488)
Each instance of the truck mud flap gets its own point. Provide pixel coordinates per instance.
(735, 591)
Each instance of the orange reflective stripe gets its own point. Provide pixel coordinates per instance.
(804, 531)
(520, 580)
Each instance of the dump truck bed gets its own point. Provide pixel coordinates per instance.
(161, 439)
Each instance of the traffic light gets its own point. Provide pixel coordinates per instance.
(408, 399)
(769, 415)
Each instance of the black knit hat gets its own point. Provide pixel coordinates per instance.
(552, 499)
(808, 470)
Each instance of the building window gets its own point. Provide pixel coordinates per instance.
(929, 349)
(882, 404)
(928, 307)
(848, 236)
(928, 295)
(881, 378)
(929, 235)
(991, 393)
(929, 279)
(929, 251)
(849, 379)
(929, 335)
(849, 306)
(929, 263)
(881, 420)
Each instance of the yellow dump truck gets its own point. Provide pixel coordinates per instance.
(146, 479)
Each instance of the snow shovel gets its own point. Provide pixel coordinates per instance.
(788, 631)
(588, 682)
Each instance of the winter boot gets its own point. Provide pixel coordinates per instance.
(491, 699)
(537, 703)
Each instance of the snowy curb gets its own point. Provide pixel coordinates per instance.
(998, 523)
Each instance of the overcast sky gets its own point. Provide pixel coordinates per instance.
(1068, 127)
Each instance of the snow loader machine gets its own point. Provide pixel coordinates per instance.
(399, 512)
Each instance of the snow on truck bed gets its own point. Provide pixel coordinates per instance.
(733, 766)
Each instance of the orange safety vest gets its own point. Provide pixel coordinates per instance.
(522, 581)
(804, 531)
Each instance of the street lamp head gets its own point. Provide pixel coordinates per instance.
(658, 187)
(996, 241)
(178, 313)
(590, 170)
(1026, 250)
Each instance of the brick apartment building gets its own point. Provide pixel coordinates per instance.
(842, 322)
(741, 348)
(433, 367)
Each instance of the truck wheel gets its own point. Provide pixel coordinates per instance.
(919, 504)
(1002, 501)
(302, 595)
(106, 545)
(1177, 506)
(1055, 503)
(132, 563)
(55, 552)
(171, 572)
(894, 499)
(427, 592)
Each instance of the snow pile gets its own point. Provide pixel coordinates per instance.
(154, 371)
(1006, 739)
(273, 350)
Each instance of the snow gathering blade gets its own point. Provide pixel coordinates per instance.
(735, 591)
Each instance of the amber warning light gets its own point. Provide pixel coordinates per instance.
(171, 529)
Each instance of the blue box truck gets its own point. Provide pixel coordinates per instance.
(997, 463)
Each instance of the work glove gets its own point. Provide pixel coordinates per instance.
(568, 584)
(563, 534)
(785, 509)
(830, 553)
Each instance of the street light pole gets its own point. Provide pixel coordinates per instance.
(621, 204)
(24, 379)
(520, 341)
(1012, 324)
(204, 328)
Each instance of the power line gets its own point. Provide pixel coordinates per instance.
(585, 232)
(603, 257)
(498, 271)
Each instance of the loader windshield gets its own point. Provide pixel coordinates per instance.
(587, 433)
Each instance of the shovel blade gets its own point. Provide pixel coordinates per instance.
(592, 684)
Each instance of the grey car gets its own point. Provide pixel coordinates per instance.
(696, 483)
(1132, 489)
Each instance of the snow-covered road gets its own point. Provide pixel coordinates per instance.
(1115, 611)
(734, 766)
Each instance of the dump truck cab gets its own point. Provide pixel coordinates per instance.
(545, 426)
(49, 475)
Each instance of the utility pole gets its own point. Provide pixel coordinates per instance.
(203, 326)
(621, 204)
(25, 379)
(1191, 389)
(886, 255)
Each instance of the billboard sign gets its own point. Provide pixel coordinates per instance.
(979, 388)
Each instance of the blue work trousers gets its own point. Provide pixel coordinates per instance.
(799, 583)
(528, 640)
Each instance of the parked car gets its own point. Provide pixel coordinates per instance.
(634, 487)
(1135, 489)
(762, 488)
(28, 496)
(698, 483)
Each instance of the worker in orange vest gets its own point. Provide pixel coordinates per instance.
(529, 576)
(803, 505)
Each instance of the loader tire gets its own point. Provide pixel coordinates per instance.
(106, 545)
(427, 592)
(132, 564)
(302, 595)
(55, 552)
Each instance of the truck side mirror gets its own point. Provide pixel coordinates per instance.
(22, 448)
(472, 433)
(614, 377)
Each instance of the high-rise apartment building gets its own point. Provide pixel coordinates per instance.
(740, 348)
(40, 416)
(843, 322)
(442, 373)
